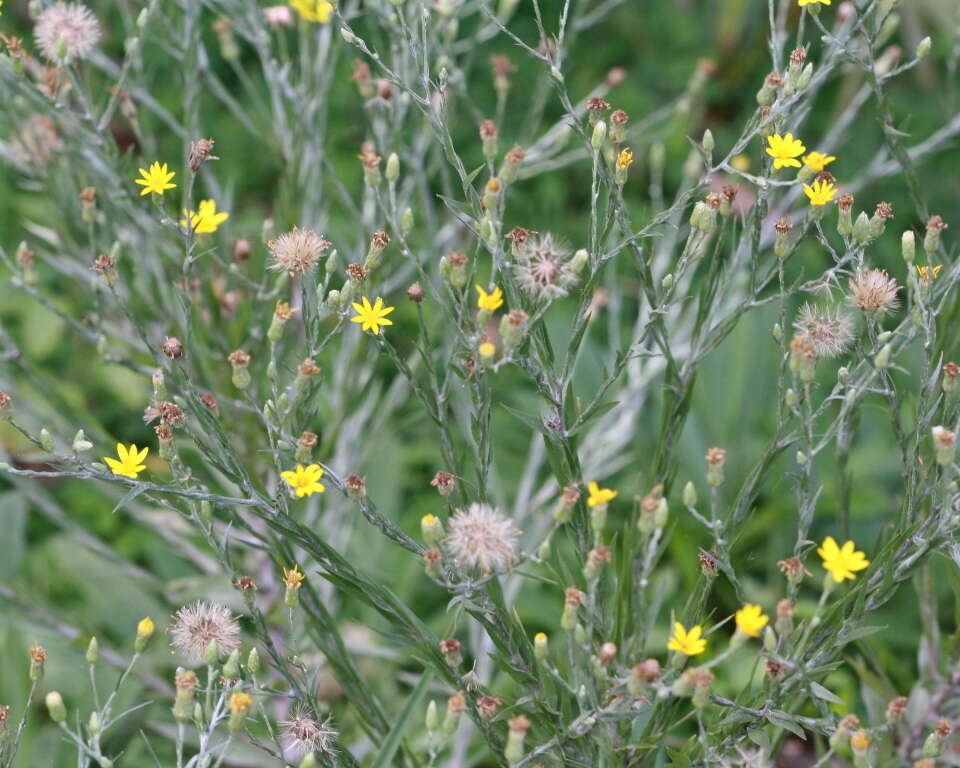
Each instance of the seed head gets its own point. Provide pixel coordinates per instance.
(66, 32)
(481, 537)
(829, 329)
(304, 734)
(444, 482)
(874, 291)
(195, 626)
(845, 202)
(542, 266)
(297, 251)
(199, 154)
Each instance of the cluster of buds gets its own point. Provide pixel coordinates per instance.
(703, 223)
(694, 682)
(799, 72)
(653, 511)
(596, 558)
(453, 268)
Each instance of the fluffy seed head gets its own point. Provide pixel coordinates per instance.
(542, 267)
(297, 251)
(305, 735)
(829, 329)
(196, 625)
(66, 32)
(874, 291)
(481, 537)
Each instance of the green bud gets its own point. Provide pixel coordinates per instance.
(93, 651)
(253, 661)
(211, 655)
(80, 442)
(93, 724)
(708, 143)
(599, 134)
(393, 167)
(690, 495)
(406, 222)
(58, 712)
(231, 669)
(432, 719)
(46, 440)
(923, 48)
(861, 228)
(882, 360)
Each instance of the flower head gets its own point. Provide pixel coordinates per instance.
(828, 330)
(195, 626)
(542, 267)
(489, 301)
(156, 180)
(874, 291)
(317, 11)
(817, 161)
(821, 193)
(599, 495)
(305, 735)
(481, 537)
(371, 316)
(240, 702)
(297, 251)
(843, 561)
(130, 463)
(305, 480)
(784, 150)
(625, 158)
(293, 578)
(66, 32)
(926, 274)
(205, 220)
(751, 619)
(689, 643)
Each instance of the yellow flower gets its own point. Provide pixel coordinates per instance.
(784, 150)
(841, 561)
(489, 301)
(145, 628)
(156, 180)
(240, 702)
(808, 2)
(318, 11)
(751, 619)
(821, 193)
(599, 495)
(487, 349)
(690, 643)
(305, 480)
(860, 741)
(206, 220)
(625, 158)
(131, 461)
(929, 273)
(372, 317)
(817, 161)
(293, 578)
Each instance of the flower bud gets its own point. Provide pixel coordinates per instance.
(239, 704)
(923, 48)
(393, 168)
(46, 440)
(212, 654)
(93, 651)
(38, 658)
(432, 719)
(599, 134)
(58, 712)
(145, 631)
(708, 143)
(231, 669)
(431, 529)
(944, 444)
(908, 246)
(882, 359)
(540, 645)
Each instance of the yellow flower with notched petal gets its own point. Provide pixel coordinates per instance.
(599, 495)
(841, 562)
(317, 11)
(689, 643)
(206, 219)
(130, 463)
(751, 619)
(817, 161)
(373, 316)
(305, 480)
(156, 180)
(821, 193)
(489, 301)
(928, 273)
(785, 150)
